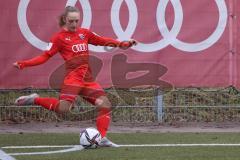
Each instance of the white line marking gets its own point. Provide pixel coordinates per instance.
(75, 148)
(127, 145)
(5, 156)
(26, 147)
(177, 145)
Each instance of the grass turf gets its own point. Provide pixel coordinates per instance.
(129, 153)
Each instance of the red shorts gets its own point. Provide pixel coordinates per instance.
(72, 88)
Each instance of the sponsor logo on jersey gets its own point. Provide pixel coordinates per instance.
(81, 36)
(79, 47)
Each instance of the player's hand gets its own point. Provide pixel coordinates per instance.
(133, 42)
(128, 44)
(18, 65)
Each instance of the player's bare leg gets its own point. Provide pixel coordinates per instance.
(64, 106)
(103, 120)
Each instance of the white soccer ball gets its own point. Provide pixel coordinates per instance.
(90, 138)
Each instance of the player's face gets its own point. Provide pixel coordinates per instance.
(72, 21)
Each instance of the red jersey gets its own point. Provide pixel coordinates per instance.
(72, 44)
(73, 47)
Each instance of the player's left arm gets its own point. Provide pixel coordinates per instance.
(97, 40)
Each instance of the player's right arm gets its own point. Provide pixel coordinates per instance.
(52, 48)
(32, 62)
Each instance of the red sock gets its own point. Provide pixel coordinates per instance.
(48, 103)
(103, 120)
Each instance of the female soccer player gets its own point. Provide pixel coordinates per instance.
(72, 43)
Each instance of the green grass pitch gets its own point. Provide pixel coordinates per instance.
(127, 153)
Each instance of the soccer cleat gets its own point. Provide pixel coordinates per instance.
(26, 100)
(107, 143)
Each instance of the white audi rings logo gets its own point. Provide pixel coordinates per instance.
(169, 36)
(79, 48)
